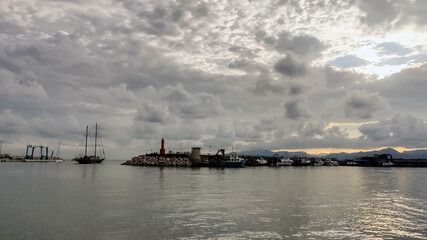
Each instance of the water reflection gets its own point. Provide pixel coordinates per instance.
(386, 211)
(109, 201)
(88, 168)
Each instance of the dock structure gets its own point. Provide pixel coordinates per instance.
(196, 159)
(167, 160)
(410, 162)
(374, 161)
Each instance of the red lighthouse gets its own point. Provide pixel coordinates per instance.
(162, 150)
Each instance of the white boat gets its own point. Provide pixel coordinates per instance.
(331, 162)
(318, 162)
(57, 158)
(285, 162)
(261, 162)
(303, 161)
(387, 163)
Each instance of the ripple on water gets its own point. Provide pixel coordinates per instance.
(391, 214)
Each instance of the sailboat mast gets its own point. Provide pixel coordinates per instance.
(86, 140)
(96, 136)
(57, 150)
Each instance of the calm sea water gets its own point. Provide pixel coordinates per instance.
(110, 201)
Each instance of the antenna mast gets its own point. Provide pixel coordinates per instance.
(96, 136)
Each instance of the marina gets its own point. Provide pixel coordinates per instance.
(196, 159)
(233, 160)
(216, 120)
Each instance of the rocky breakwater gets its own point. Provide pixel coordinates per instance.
(171, 161)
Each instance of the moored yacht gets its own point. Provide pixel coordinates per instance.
(261, 162)
(285, 162)
(94, 158)
(232, 161)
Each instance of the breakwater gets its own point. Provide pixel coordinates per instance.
(160, 160)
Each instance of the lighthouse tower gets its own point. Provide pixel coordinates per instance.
(162, 150)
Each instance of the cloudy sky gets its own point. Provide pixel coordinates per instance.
(318, 75)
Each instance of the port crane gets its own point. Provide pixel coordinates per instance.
(33, 148)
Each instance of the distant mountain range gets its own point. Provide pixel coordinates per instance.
(416, 154)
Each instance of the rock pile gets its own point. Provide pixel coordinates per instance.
(144, 160)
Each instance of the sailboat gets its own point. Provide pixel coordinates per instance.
(57, 158)
(95, 158)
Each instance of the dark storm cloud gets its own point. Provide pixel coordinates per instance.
(375, 131)
(9, 66)
(266, 124)
(282, 2)
(295, 109)
(144, 130)
(303, 45)
(262, 37)
(15, 94)
(295, 89)
(342, 79)
(393, 12)
(379, 11)
(206, 72)
(43, 126)
(191, 105)
(184, 131)
(336, 131)
(290, 67)
(406, 130)
(413, 13)
(363, 105)
(18, 51)
(243, 51)
(11, 123)
(405, 90)
(56, 127)
(264, 86)
(167, 19)
(246, 132)
(311, 129)
(9, 28)
(151, 113)
(247, 65)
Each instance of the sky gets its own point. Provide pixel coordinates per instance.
(319, 75)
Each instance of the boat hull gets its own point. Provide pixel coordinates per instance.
(232, 164)
(89, 160)
(283, 164)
